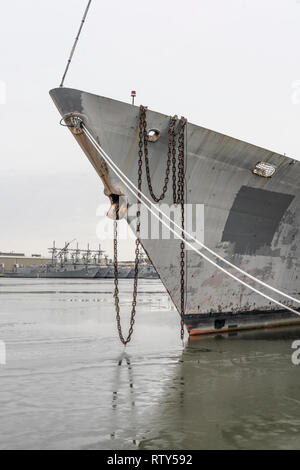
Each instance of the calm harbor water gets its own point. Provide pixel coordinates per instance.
(69, 383)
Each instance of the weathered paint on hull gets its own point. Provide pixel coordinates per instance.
(89, 273)
(249, 220)
(229, 322)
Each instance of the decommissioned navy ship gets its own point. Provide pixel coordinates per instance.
(67, 271)
(66, 263)
(72, 263)
(251, 201)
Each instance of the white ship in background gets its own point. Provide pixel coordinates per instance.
(252, 211)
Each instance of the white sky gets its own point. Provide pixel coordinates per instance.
(232, 66)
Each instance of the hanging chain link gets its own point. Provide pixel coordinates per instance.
(172, 146)
(135, 286)
(178, 187)
(178, 198)
(171, 151)
(137, 252)
(181, 198)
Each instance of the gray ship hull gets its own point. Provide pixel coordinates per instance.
(250, 220)
(102, 272)
(54, 273)
(145, 272)
(83, 273)
(107, 272)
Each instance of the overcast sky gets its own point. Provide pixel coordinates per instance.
(232, 66)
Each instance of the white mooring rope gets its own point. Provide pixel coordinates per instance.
(124, 178)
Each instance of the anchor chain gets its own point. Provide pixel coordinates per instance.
(171, 151)
(181, 197)
(135, 286)
(137, 253)
(178, 198)
(178, 186)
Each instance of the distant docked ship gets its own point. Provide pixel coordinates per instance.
(72, 263)
(67, 271)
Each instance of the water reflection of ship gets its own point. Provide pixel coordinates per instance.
(68, 262)
(240, 393)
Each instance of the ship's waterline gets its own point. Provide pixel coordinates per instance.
(251, 220)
